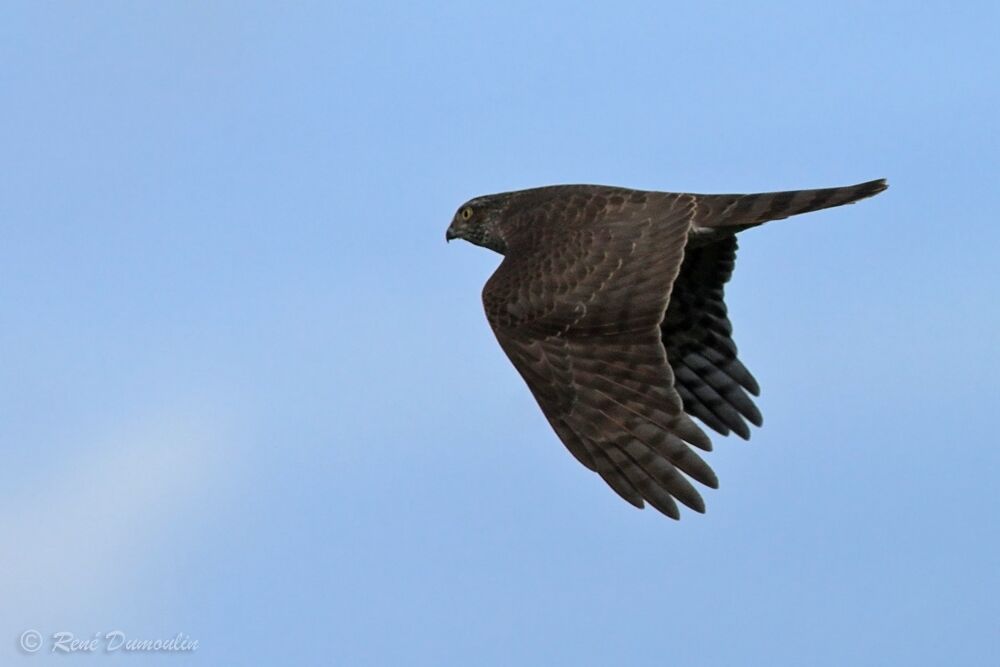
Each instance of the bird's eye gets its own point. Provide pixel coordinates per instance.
(466, 213)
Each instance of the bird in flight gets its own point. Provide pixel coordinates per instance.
(609, 303)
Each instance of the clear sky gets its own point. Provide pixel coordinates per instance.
(248, 393)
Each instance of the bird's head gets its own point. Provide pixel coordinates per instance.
(478, 222)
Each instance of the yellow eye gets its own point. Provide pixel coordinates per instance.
(466, 213)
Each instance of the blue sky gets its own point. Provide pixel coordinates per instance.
(248, 393)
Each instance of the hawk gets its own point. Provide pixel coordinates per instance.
(609, 303)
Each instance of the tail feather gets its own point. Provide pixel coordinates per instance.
(736, 212)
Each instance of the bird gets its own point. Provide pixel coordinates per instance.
(609, 302)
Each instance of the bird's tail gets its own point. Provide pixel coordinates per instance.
(731, 213)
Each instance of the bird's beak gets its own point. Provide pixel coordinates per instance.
(449, 235)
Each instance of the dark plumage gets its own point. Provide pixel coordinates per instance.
(609, 303)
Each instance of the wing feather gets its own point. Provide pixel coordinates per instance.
(588, 342)
(713, 383)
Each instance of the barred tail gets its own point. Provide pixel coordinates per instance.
(736, 212)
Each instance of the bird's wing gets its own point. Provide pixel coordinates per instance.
(697, 335)
(577, 308)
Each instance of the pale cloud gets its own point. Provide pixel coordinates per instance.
(70, 543)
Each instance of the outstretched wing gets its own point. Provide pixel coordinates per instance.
(576, 305)
(697, 335)
(696, 331)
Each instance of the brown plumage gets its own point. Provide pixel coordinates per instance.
(609, 303)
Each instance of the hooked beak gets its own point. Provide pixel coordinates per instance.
(449, 235)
